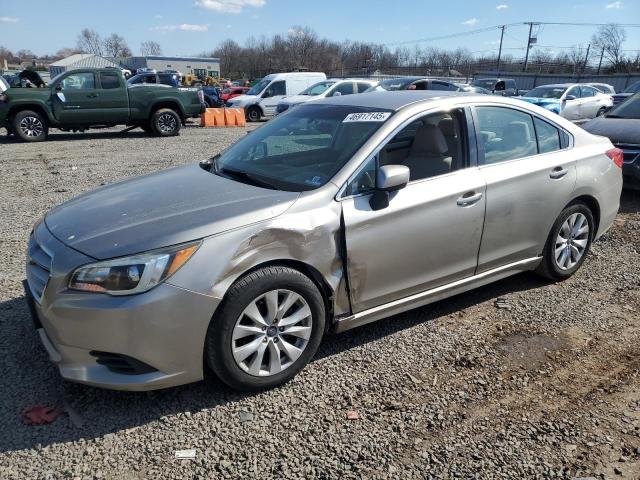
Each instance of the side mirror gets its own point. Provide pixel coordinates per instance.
(569, 97)
(336, 94)
(390, 178)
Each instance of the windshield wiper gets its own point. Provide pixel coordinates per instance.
(243, 177)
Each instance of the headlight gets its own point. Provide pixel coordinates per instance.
(134, 274)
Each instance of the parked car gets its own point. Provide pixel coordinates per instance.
(341, 212)
(96, 98)
(471, 89)
(326, 88)
(498, 86)
(4, 85)
(621, 125)
(233, 92)
(413, 83)
(153, 78)
(603, 87)
(212, 97)
(572, 101)
(263, 98)
(620, 97)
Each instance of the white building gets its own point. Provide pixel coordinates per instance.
(199, 66)
(80, 60)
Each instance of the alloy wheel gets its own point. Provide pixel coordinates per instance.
(167, 123)
(271, 333)
(31, 126)
(571, 242)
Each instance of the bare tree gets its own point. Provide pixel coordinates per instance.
(89, 42)
(610, 38)
(150, 48)
(66, 52)
(24, 54)
(116, 46)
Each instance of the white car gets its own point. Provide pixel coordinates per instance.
(332, 87)
(263, 98)
(573, 101)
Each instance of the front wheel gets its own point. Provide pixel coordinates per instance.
(601, 112)
(30, 126)
(568, 243)
(254, 114)
(165, 122)
(266, 330)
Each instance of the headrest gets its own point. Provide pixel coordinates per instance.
(429, 139)
(448, 127)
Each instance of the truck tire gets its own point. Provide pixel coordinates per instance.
(254, 114)
(165, 122)
(30, 126)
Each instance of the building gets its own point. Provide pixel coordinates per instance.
(80, 60)
(198, 66)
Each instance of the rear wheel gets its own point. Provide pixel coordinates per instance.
(267, 329)
(568, 243)
(30, 126)
(254, 114)
(601, 112)
(165, 122)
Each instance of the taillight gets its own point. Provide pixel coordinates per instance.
(617, 156)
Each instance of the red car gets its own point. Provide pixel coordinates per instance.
(229, 93)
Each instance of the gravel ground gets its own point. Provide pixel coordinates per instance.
(543, 383)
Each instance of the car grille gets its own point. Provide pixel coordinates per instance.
(38, 268)
(631, 152)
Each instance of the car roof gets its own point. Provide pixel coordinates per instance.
(393, 100)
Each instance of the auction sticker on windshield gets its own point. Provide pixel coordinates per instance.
(367, 117)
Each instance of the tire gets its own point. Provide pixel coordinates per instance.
(165, 122)
(560, 260)
(601, 112)
(254, 114)
(30, 126)
(241, 351)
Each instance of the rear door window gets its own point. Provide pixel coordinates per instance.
(547, 135)
(505, 134)
(362, 87)
(109, 80)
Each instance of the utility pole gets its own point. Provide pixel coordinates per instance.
(600, 62)
(526, 57)
(500, 50)
(586, 59)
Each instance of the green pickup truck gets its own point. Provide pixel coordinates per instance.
(96, 98)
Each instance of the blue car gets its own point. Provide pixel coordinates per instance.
(570, 100)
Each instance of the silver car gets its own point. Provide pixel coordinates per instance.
(337, 213)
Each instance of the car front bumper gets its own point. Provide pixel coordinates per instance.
(139, 342)
(631, 166)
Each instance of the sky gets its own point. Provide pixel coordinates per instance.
(189, 27)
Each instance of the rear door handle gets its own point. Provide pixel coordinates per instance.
(469, 199)
(558, 172)
(92, 95)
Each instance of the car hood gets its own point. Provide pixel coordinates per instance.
(541, 101)
(166, 208)
(245, 99)
(618, 130)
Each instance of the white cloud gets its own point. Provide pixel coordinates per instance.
(295, 31)
(471, 22)
(502, 6)
(229, 6)
(158, 16)
(185, 27)
(614, 5)
(9, 19)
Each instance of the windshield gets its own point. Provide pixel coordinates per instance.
(630, 108)
(317, 88)
(259, 87)
(546, 92)
(633, 88)
(302, 149)
(484, 83)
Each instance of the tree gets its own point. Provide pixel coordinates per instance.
(8, 56)
(23, 54)
(116, 46)
(66, 52)
(89, 41)
(609, 38)
(150, 48)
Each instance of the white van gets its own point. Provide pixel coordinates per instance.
(262, 99)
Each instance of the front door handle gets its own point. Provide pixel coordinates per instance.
(558, 172)
(92, 95)
(469, 199)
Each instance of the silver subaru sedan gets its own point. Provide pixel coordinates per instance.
(338, 213)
